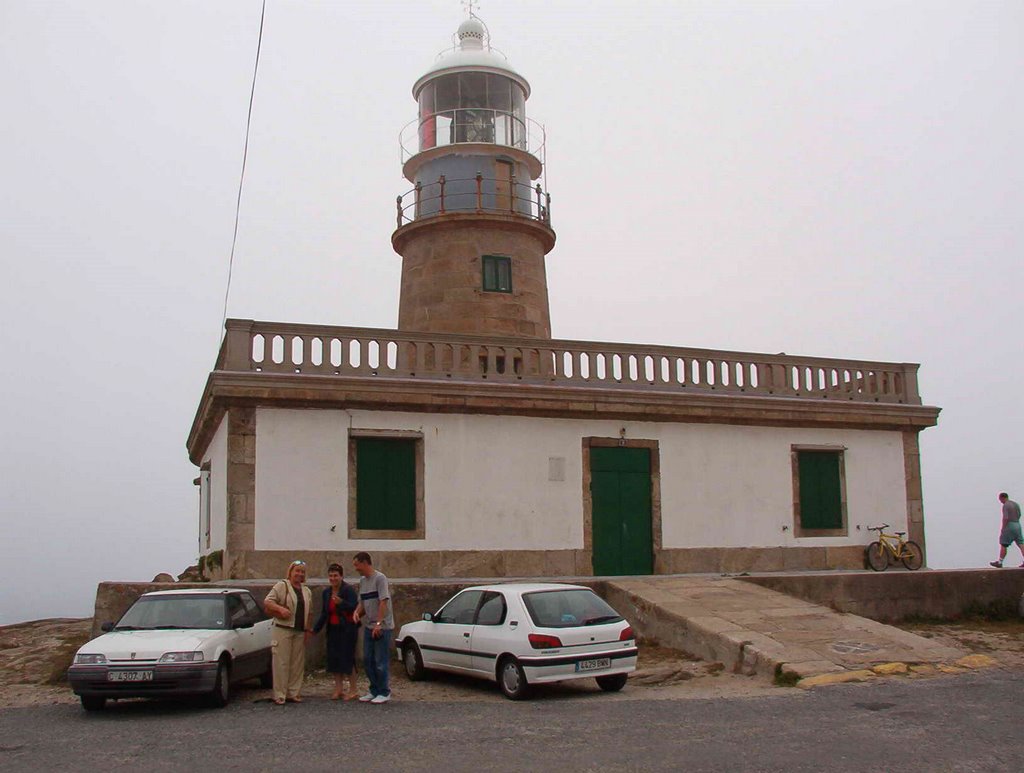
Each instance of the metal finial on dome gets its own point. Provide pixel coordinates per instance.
(471, 6)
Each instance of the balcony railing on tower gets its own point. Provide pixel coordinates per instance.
(474, 194)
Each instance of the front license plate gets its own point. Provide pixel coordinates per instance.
(129, 676)
(593, 665)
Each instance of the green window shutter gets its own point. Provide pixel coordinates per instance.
(821, 505)
(497, 271)
(385, 484)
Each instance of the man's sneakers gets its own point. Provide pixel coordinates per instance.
(381, 699)
(366, 698)
(996, 564)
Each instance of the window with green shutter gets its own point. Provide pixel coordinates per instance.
(819, 495)
(497, 273)
(384, 498)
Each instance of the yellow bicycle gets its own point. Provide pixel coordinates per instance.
(893, 546)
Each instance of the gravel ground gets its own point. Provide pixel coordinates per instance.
(35, 655)
(1002, 640)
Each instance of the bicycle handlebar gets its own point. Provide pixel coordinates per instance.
(878, 528)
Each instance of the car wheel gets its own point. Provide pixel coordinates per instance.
(93, 702)
(413, 661)
(222, 687)
(512, 679)
(612, 682)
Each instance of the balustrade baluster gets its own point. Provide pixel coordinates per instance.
(306, 357)
(344, 356)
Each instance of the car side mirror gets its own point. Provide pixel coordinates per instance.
(106, 627)
(428, 617)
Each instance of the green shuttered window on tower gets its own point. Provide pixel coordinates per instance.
(821, 494)
(385, 484)
(497, 273)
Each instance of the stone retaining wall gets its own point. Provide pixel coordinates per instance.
(896, 595)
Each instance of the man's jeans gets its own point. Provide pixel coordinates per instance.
(376, 658)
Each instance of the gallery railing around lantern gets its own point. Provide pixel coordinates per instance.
(283, 348)
(469, 125)
(474, 194)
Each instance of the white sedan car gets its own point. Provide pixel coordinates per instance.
(175, 643)
(521, 634)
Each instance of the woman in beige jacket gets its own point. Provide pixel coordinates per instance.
(290, 601)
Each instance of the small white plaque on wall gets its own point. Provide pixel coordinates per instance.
(556, 468)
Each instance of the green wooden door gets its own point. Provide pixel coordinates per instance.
(620, 490)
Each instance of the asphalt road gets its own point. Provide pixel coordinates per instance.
(963, 723)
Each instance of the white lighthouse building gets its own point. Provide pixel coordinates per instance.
(469, 442)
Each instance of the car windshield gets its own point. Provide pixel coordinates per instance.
(568, 608)
(170, 612)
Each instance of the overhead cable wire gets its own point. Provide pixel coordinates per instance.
(241, 178)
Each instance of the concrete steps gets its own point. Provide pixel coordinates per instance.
(754, 630)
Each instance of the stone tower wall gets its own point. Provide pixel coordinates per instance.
(442, 287)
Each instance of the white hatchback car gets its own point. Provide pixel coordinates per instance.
(520, 634)
(175, 643)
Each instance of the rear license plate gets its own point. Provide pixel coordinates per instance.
(129, 676)
(593, 665)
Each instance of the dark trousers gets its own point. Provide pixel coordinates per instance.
(376, 658)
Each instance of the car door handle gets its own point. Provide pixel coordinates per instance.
(466, 634)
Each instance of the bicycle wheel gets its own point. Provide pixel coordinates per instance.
(877, 557)
(913, 556)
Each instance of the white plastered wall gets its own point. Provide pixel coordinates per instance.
(487, 481)
(732, 486)
(217, 456)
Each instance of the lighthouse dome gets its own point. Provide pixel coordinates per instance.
(472, 53)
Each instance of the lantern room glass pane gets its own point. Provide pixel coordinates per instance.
(427, 99)
(518, 102)
(499, 93)
(447, 93)
(472, 89)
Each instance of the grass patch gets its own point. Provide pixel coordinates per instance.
(996, 611)
(784, 678)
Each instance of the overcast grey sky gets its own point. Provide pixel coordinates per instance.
(827, 178)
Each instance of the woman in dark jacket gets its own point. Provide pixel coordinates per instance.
(339, 602)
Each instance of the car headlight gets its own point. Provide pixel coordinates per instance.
(181, 657)
(89, 660)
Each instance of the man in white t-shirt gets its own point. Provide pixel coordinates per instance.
(374, 612)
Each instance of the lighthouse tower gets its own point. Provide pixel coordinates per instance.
(474, 230)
